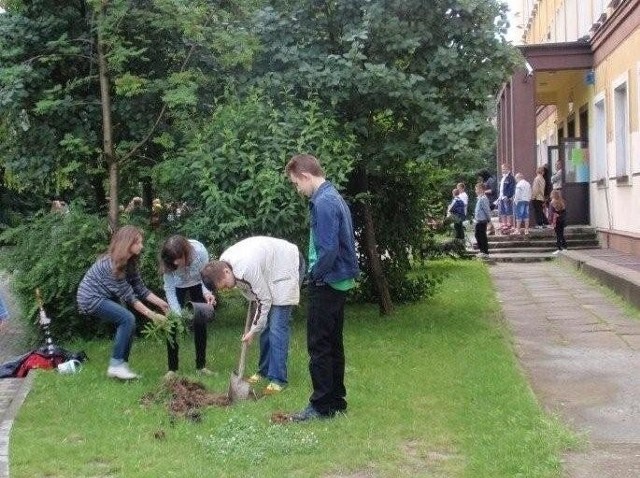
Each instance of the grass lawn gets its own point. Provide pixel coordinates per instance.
(433, 391)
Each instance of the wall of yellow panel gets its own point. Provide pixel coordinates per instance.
(625, 60)
(557, 21)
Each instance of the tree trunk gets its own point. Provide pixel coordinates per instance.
(371, 247)
(147, 193)
(107, 128)
(99, 195)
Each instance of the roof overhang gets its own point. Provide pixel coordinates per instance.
(558, 56)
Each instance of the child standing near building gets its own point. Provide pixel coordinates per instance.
(462, 194)
(482, 216)
(521, 200)
(457, 211)
(559, 212)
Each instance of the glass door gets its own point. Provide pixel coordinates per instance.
(573, 156)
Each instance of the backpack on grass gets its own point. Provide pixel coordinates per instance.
(42, 358)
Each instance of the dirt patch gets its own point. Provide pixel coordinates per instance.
(185, 398)
(279, 418)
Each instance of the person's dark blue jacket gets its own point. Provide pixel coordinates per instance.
(509, 186)
(333, 236)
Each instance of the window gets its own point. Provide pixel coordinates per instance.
(542, 153)
(599, 136)
(621, 127)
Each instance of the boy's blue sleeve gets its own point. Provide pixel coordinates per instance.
(326, 238)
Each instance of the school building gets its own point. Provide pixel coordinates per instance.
(577, 99)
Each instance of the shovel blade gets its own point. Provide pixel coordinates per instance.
(239, 388)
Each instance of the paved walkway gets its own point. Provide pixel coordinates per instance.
(581, 353)
(12, 390)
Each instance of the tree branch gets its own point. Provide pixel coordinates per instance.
(146, 138)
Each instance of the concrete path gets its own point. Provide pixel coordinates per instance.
(581, 353)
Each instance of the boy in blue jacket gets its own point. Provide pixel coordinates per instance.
(332, 270)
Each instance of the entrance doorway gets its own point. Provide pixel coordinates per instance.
(573, 154)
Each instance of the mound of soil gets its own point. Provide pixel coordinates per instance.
(280, 417)
(185, 398)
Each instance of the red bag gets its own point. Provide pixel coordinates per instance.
(38, 360)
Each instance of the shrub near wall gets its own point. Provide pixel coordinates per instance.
(51, 252)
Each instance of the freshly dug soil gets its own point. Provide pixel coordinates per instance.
(280, 417)
(185, 398)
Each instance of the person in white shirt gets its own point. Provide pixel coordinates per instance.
(521, 198)
(462, 194)
(267, 271)
(556, 179)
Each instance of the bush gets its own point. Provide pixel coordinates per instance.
(52, 252)
(232, 170)
(404, 286)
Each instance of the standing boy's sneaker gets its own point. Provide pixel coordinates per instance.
(310, 413)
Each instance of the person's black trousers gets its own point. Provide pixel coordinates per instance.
(561, 242)
(481, 236)
(326, 349)
(459, 229)
(194, 293)
(538, 211)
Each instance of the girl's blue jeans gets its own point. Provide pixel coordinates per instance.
(125, 322)
(274, 345)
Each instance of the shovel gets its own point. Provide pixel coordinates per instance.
(239, 388)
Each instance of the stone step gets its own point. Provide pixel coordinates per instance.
(577, 228)
(519, 257)
(541, 234)
(550, 242)
(538, 245)
(536, 249)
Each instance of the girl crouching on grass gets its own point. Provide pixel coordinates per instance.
(181, 260)
(112, 279)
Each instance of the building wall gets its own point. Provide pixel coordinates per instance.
(615, 190)
(557, 21)
(614, 114)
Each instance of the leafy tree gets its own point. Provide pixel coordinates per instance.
(90, 93)
(90, 89)
(232, 169)
(412, 80)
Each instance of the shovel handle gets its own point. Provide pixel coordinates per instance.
(243, 350)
